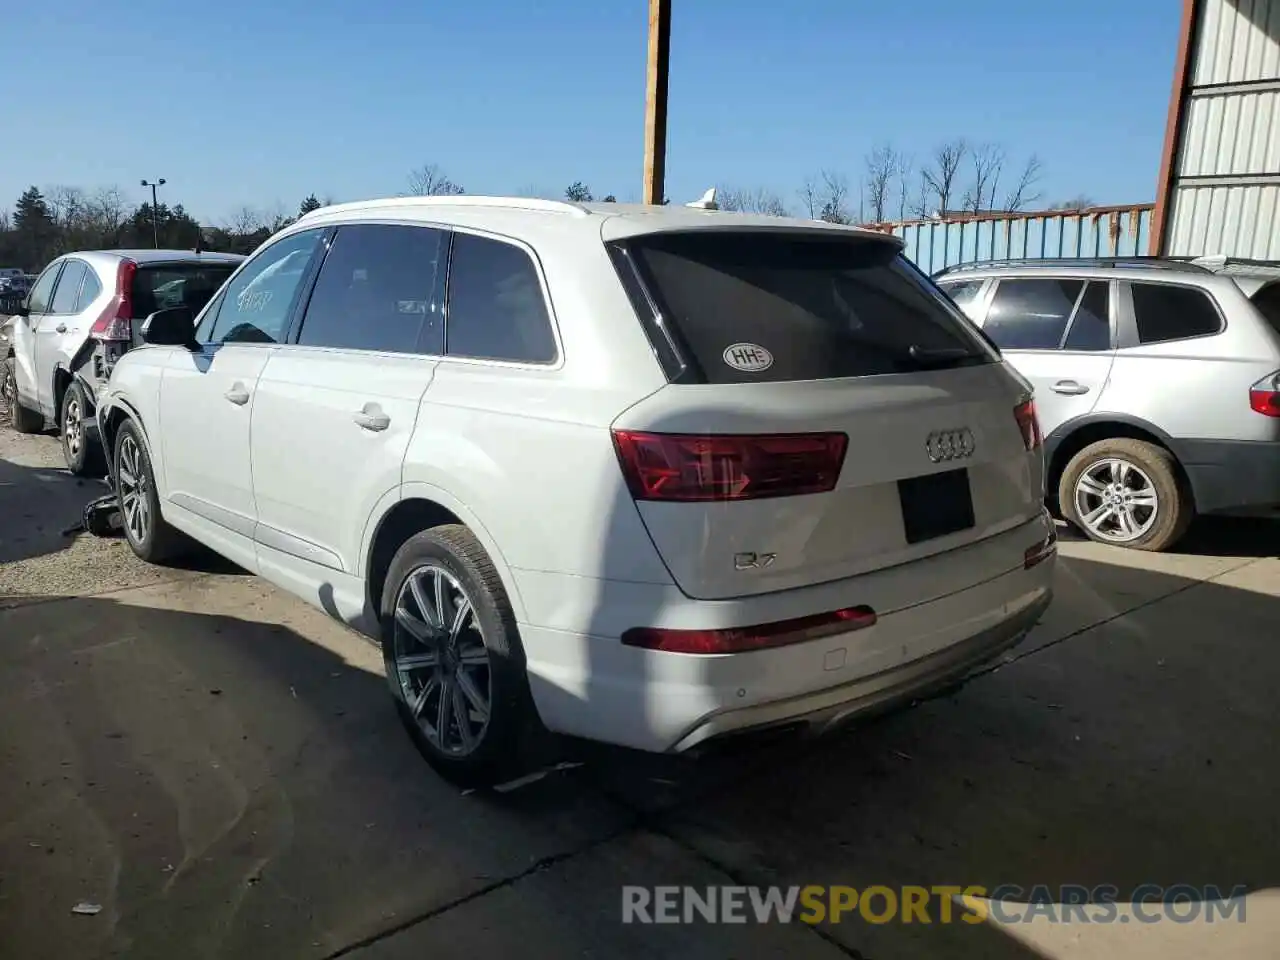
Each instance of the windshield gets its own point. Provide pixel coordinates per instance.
(773, 306)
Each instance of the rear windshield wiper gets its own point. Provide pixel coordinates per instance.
(940, 357)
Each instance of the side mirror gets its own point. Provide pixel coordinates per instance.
(173, 327)
(23, 310)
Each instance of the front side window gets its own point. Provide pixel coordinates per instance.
(42, 292)
(752, 307)
(1031, 314)
(1164, 312)
(257, 304)
(496, 310)
(380, 288)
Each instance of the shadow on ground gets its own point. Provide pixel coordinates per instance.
(42, 509)
(229, 787)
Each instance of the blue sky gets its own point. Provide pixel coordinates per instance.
(260, 102)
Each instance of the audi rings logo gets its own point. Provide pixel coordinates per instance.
(950, 444)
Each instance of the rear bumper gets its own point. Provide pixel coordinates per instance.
(591, 685)
(1229, 476)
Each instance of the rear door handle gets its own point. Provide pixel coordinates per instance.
(237, 394)
(61, 328)
(1070, 388)
(371, 418)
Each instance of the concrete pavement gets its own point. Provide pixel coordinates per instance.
(218, 767)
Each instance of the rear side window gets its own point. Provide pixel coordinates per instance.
(1091, 324)
(89, 290)
(381, 288)
(751, 307)
(496, 310)
(64, 298)
(1031, 314)
(1267, 302)
(1164, 312)
(168, 285)
(963, 292)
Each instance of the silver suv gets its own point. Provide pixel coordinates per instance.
(1157, 382)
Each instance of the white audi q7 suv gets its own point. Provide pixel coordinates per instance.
(643, 475)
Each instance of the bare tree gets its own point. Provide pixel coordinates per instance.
(833, 197)
(756, 200)
(108, 207)
(882, 168)
(1024, 192)
(244, 221)
(986, 162)
(943, 171)
(6, 221)
(906, 166)
(429, 180)
(67, 206)
(809, 197)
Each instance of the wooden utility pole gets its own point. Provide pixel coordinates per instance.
(655, 105)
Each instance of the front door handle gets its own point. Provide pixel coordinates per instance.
(237, 394)
(371, 418)
(1070, 387)
(61, 328)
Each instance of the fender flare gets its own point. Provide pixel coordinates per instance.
(418, 490)
(1062, 431)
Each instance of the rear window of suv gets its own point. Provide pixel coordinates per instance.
(747, 307)
(176, 285)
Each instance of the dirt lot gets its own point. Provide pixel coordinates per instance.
(218, 767)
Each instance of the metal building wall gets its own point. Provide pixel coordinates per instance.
(1220, 181)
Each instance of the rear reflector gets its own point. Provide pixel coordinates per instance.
(1042, 551)
(1028, 423)
(1264, 396)
(696, 467)
(743, 639)
(113, 324)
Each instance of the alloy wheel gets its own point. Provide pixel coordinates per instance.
(441, 662)
(135, 501)
(1116, 501)
(8, 390)
(72, 428)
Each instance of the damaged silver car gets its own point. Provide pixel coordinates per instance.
(83, 314)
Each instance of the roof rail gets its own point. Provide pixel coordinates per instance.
(1149, 263)
(461, 200)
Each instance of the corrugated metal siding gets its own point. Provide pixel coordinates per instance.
(1096, 232)
(1226, 183)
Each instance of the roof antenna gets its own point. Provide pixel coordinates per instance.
(707, 202)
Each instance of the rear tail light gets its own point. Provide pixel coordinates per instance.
(1264, 396)
(1042, 551)
(1028, 423)
(742, 639)
(113, 323)
(695, 467)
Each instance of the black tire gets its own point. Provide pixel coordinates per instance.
(23, 419)
(156, 542)
(509, 744)
(80, 448)
(1174, 507)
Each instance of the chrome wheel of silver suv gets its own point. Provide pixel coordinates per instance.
(1116, 501)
